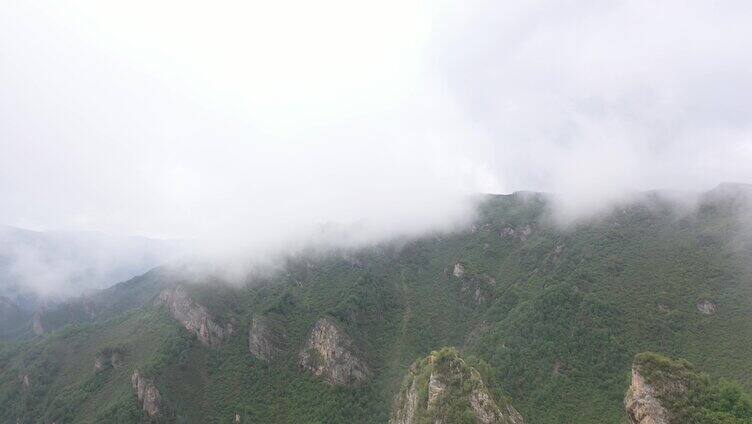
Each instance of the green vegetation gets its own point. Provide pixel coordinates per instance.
(552, 319)
(693, 397)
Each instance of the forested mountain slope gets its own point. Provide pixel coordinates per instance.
(553, 314)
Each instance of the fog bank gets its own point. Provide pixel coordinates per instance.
(248, 127)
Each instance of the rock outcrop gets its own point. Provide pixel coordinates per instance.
(673, 391)
(436, 389)
(444, 378)
(108, 358)
(194, 317)
(25, 381)
(655, 378)
(641, 403)
(458, 270)
(521, 233)
(147, 394)
(481, 287)
(330, 353)
(706, 307)
(266, 338)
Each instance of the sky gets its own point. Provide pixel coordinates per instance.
(250, 124)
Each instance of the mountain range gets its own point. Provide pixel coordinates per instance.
(638, 315)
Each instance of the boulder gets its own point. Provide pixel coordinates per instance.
(706, 307)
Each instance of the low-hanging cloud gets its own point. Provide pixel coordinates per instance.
(590, 100)
(38, 266)
(252, 125)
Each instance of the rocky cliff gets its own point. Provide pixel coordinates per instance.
(672, 391)
(442, 389)
(642, 404)
(330, 353)
(147, 394)
(266, 338)
(657, 383)
(193, 316)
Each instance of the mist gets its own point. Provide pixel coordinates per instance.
(37, 267)
(254, 127)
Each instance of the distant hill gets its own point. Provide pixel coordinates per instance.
(549, 318)
(36, 267)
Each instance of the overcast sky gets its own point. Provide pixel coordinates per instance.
(259, 120)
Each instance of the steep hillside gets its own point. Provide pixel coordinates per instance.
(98, 305)
(666, 391)
(554, 316)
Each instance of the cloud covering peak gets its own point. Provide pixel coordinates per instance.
(249, 123)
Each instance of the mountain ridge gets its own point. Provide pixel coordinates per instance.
(560, 315)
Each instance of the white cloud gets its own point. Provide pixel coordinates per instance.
(251, 123)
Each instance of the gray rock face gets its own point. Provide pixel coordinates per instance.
(329, 353)
(642, 405)
(193, 316)
(100, 364)
(488, 412)
(436, 389)
(25, 381)
(706, 307)
(405, 412)
(459, 270)
(266, 338)
(147, 394)
(521, 233)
